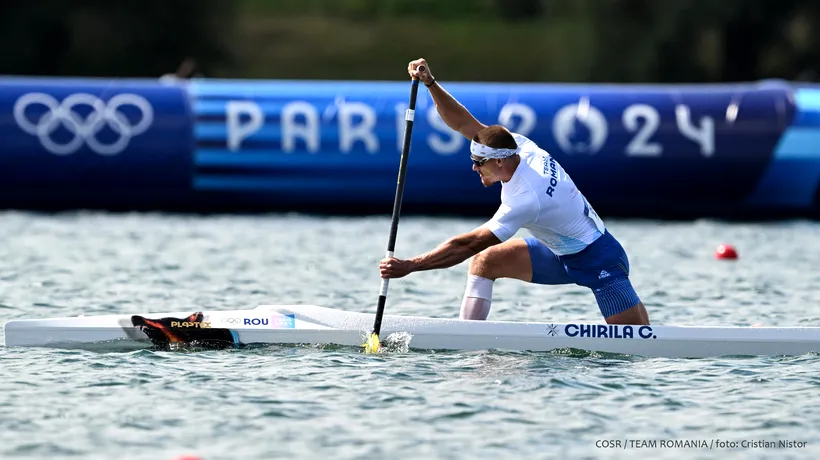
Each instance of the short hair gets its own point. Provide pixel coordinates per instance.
(495, 136)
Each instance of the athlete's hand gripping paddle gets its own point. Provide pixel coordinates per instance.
(373, 344)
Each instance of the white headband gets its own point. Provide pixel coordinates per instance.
(483, 151)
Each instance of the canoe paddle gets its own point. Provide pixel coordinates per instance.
(373, 344)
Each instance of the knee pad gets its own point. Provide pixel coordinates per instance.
(479, 287)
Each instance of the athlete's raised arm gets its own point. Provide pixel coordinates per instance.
(451, 111)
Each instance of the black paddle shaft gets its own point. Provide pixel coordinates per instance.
(394, 222)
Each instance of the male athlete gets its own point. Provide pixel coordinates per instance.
(569, 244)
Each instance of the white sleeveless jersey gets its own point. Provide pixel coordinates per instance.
(542, 198)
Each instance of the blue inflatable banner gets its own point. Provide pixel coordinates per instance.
(744, 150)
(625, 146)
(93, 142)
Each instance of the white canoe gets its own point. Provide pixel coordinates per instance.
(309, 324)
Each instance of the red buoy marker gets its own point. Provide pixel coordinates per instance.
(725, 251)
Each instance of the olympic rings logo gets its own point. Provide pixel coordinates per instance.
(83, 130)
(232, 320)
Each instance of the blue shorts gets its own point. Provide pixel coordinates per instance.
(602, 266)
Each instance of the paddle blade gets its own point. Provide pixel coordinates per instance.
(373, 345)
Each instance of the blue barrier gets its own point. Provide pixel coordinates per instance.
(94, 143)
(790, 182)
(632, 149)
(334, 146)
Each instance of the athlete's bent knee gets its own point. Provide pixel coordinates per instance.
(634, 316)
(616, 298)
(482, 263)
(510, 259)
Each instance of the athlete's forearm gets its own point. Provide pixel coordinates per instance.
(451, 111)
(451, 252)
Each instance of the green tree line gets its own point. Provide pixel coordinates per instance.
(468, 40)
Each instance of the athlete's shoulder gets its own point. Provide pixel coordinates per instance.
(521, 208)
(521, 196)
(528, 147)
(521, 140)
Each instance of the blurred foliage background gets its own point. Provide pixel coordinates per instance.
(616, 41)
